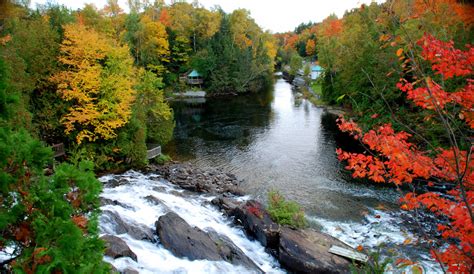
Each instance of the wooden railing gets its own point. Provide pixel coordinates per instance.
(152, 153)
(195, 81)
(58, 150)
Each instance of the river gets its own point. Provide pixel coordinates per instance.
(273, 140)
(277, 140)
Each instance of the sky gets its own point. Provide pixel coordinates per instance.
(273, 15)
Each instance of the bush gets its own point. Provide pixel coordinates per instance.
(162, 159)
(51, 221)
(285, 212)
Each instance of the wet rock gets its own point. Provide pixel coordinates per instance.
(185, 241)
(159, 188)
(115, 183)
(193, 179)
(106, 201)
(227, 205)
(193, 243)
(129, 270)
(119, 226)
(257, 223)
(306, 251)
(116, 248)
(232, 253)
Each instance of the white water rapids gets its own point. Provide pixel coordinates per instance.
(195, 210)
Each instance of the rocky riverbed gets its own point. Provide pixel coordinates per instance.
(177, 218)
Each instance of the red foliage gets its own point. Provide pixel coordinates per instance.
(255, 210)
(393, 158)
(165, 18)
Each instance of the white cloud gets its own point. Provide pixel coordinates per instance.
(274, 15)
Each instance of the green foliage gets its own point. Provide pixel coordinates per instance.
(285, 212)
(38, 213)
(375, 266)
(154, 111)
(295, 64)
(162, 159)
(230, 65)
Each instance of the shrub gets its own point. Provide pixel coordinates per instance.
(285, 212)
(162, 159)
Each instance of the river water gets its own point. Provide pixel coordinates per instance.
(278, 141)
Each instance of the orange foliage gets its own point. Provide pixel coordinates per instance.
(165, 17)
(331, 27)
(291, 41)
(310, 47)
(465, 12)
(394, 159)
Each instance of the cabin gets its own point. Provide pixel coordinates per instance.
(192, 78)
(316, 71)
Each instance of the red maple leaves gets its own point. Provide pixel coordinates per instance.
(391, 157)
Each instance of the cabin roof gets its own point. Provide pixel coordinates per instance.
(194, 73)
(316, 68)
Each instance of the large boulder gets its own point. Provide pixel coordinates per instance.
(116, 247)
(232, 253)
(184, 240)
(258, 223)
(226, 204)
(307, 251)
(112, 223)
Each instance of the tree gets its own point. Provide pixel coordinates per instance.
(296, 64)
(394, 158)
(49, 222)
(310, 48)
(154, 50)
(97, 81)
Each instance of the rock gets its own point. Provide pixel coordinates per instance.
(306, 251)
(106, 201)
(232, 253)
(227, 205)
(257, 223)
(130, 270)
(116, 247)
(193, 243)
(115, 183)
(137, 231)
(197, 180)
(185, 241)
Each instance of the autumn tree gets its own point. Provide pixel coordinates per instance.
(47, 224)
(310, 48)
(394, 158)
(154, 47)
(97, 81)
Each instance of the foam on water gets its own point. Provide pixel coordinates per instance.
(195, 209)
(381, 231)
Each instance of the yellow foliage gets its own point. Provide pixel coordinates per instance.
(97, 80)
(155, 39)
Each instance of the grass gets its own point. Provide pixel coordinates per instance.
(285, 212)
(317, 88)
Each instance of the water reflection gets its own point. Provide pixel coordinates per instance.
(274, 140)
(277, 140)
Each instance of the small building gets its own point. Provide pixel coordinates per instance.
(192, 78)
(316, 71)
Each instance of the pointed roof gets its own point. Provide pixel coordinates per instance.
(194, 73)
